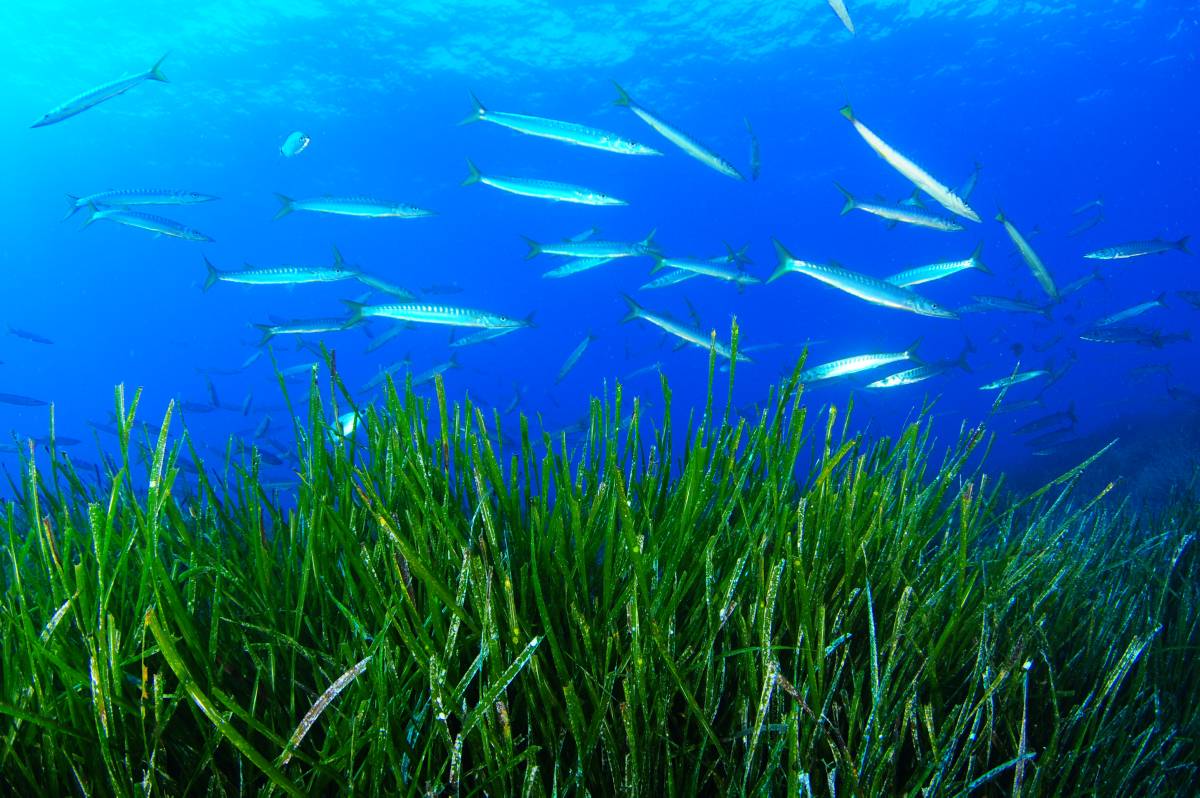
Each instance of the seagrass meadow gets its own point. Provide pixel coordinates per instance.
(774, 606)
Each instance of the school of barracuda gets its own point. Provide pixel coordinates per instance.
(576, 253)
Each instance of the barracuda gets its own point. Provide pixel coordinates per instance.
(1040, 272)
(909, 214)
(864, 287)
(938, 271)
(919, 177)
(856, 364)
(283, 275)
(567, 132)
(419, 313)
(93, 97)
(146, 221)
(367, 207)
(541, 189)
(677, 137)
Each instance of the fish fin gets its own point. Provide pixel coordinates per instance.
(1000, 217)
(658, 264)
(477, 114)
(977, 258)
(648, 241)
(535, 248)
(73, 203)
(356, 310)
(784, 264)
(911, 351)
(1182, 245)
(268, 333)
(93, 210)
(285, 205)
(339, 262)
(623, 97)
(475, 175)
(1162, 299)
(155, 72)
(891, 224)
(635, 310)
(528, 320)
(213, 274)
(850, 204)
(847, 112)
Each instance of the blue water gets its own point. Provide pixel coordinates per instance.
(1062, 104)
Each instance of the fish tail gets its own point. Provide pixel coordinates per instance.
(847, 112)
(156, 73)
(623, 97)
(213, 274)
(268, 333)
(785, 261)
(1162, 299)
(977, 259)
(635, 310)
(285, 205)
(73, 205)
(535, 248)
(1000, 217)
(94, 211)
(477, 114)
(475, 175)
(1182, 245)
(850, 204)
(658, 264)
(648, 241)
(528, 320)
(356, 311)
(911, 351)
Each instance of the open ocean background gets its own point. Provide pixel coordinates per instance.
(1061, 104)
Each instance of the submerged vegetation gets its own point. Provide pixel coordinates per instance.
(432, 613)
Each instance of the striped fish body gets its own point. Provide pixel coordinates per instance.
(93, 97)
(854, 365)
(863, 286)
(286, 275)
(1011, 305)
(576, 266)
(542, 189)
(677, 137)
(938, 271)
(918, 176)
(557, 130)
(1015, 379)
(911, 376)
(670, 278)
(688, 334)
(366, 207)
(1136, 249)
(592, 248)
(420, 313)
(907, 213)
(1129, 313)
(127, 197)
(1040, 272)
(147, 221)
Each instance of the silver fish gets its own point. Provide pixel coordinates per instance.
(541, 189)
(126, 197)
(146, 221)
(592, 248)
(568, 132)
(919, 177)
(909, 214)
(839, 8)
(302, 327)
(1040, 272)
(93, 97)
(420, 313)
(1129, 313)
(863, 286)
(755, 152)
(937, 271)
(1014, 379)
(573, 358)
(282, 275)
(1135, 249)
(677, 137)
(367, 207)
(1011, 305)
(688, 334)
(856, 364)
